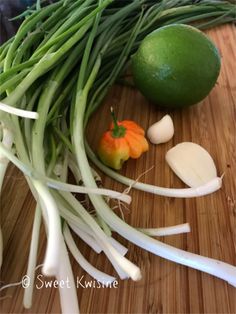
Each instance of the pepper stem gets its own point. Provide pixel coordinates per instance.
(118, 130)
(116, 126)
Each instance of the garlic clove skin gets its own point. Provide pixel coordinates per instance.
(161, 131)
(191, 163)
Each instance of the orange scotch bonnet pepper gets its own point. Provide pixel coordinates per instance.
(123, 140)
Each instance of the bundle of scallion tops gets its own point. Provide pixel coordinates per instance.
(54, 74)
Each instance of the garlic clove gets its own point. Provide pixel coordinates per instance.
(191, 163)
(161, 131)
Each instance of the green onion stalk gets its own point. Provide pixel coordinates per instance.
(54, 74)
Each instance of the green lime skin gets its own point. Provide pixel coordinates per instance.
(176, 66)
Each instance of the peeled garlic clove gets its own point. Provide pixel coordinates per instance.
(191, 163)
(161, 131)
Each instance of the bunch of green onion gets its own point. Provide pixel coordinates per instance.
(54, 74)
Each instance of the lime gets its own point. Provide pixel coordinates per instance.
(175, 66)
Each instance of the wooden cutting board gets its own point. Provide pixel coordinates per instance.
(165, 287)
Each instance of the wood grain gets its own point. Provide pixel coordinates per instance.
(165, 287)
